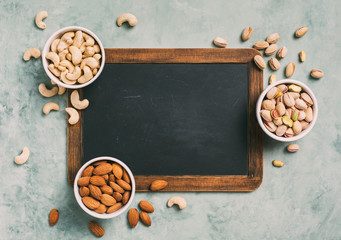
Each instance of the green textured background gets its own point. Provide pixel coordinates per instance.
(299, 201)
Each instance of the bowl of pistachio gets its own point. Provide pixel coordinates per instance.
(287, 110)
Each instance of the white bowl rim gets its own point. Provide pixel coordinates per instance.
(79, 198)
(303, 133)
(46, 49)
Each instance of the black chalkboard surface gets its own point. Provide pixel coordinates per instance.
(186, 116)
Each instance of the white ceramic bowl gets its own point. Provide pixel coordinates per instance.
(58, 34)
(79, 198)
(304, 132)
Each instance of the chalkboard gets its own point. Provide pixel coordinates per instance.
(175, 120)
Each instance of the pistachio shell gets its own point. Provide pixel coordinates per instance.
(289, 101)
(289, 133)
(266, 115)
(281, 130)
(295, 95)
(270, 126)
(301, 116)
(309, 114)
(274, 114)
(279, 99)
(300, 104)
(272, 93)
(278, 121)
(283, 88)
(288, 112)
(287, 121)
(297, 127)
(307, 99)
(268, 105)
(280, 109)
(304, 125)
(293, 147)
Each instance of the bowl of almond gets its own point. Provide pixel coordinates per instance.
(104, 187)
(287, 110)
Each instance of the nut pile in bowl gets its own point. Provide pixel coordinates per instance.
(287, 110)
(104, 187)
(74, 58)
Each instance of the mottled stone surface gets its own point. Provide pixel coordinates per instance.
(299, 201)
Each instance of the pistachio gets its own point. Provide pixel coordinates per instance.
(272, 93)
(270, 126)
(309, 114)
(295, 88)
(280, 98)
(280, 109)
(304, 125)
(289, 101)
(278, 163)
(272, 38)
(283, 88)
(302, 56)
(279, 94)
(274, 114)
(300, 104)
(287, 121)
(271, 49)
(316, 73)
(295, 95)
(297, 127)
(247, 33)
(288, 112)
(220, 42)
(273, 100)
(293, 147)
(301, 116)
(274, 64)
(259, 61)
(282, 52)
(290, 69)
(289, 133)
(272, 79)
(268, 105)
(261, 45)
(266, 115)
(281, 130)
(295, 115)
(301, 31)
(278, 121)
(307, 99)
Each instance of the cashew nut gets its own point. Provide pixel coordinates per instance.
(68, 56)
(68, 65)
(61, 68)
(80, 105)
(54, 70)
(127, 17)
(54, 45)
(53, 83)
(94, 72)
(88, 39)
(181, 202)
(31, 52)
(86, 76)
(89, 52)
(74, 116)
(48, 107)
(61, 90)
(83, 46)
(47, 92)
(97, 56)
(76, 55)
(62, 55)
(75, 75)
(90, 61)
(78, 39)
(97, 48)
(23, 157)
(53, 57)
(39, 19)
(65, 41)
(64, 79)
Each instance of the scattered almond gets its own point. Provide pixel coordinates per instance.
(83, 181)
(282, 52)
(125, 197)
(90, 202)
(84, 191)
(108, 200)
(145, 218)
(117, 196)
(259, 61)
(272, 78)
(116, 187)
(302, 56)
(220, 42)
(97, 180)
(101, 209)
(247, 33)
(273, 38)
(146, 206)
(123, 184)
(274, 64)
(290, 69)
(158, 185)
(53, 217)
(117, 170)
(261, 45)
(133, 217)
(95, 192)
(316, 73)
(114, 207)
(301, 31)
(88, 171)
(96, 229)
(102, 169)
(271, 49)
(107, 189)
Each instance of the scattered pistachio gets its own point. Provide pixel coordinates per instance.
(261, 45)
(271, 49)
(220, 42)
(282, 52)
(316, 73)
(272, 78)
(301, 31)
(259, 61)
(274, 64)
(290, 69)
(247, 33)
(278, 163)
(272, 38)
(293, 147)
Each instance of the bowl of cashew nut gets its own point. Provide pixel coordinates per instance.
(73, 57)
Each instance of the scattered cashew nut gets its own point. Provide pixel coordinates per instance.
(74, 116)
(54, 70)
(54, 45)
(80, 105)
(53, 57)
(47, 92)
(39, 19)
(48, 107)
(90, 61)
(86, 76)
(75, 75)
(31, 52)
(76, 55)
(127, 17)
(78, 39)
(23, 157)
(181, 202)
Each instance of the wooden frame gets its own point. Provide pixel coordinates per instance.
(248, 182)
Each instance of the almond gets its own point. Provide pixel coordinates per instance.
(282, 52)
(316, 73)
(301, 31)
(83, 181)
(220, 42)
(133, 217)
(261, 45)
(106, 177)
(159, 184)
(99, 163)
(114, 207)
(96, 229)
(97, 180)
(274, 64)
(116, 187)
(106, 189)
(145, 218)
(123, 184)
(290, 69)
(102, 169)
(53, 217)
(101, 209)
(146, 206)
(90, 202)
(247, 33)
(271, 49)
(84, 191)
(112, 178)
(273, 38)
(117, 196)
(108, 200)
(117, 170)
(259, 61)
(125, 197)
(95, 192)
(126, 176)
(88, 171)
